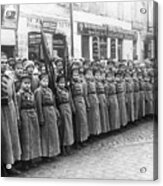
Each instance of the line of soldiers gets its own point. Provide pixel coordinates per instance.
(96, 98)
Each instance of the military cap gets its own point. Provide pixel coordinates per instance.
(87, 69)
(58, 59)
(28, 63)
(25, 75)
(61, 76)
(43, 75)
(11, 59)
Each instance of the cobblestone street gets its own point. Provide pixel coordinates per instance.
(125, 154)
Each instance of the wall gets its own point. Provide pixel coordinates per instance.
(127, 49)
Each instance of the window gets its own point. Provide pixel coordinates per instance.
(85, 47)
(113, 49)
(95, 42)
(34, 45)
(119, 49)
(103, 47)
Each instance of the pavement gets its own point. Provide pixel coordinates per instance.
(126, 154)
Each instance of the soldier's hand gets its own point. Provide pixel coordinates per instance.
(58, 114)
(88, 108)
(42, 123)
(19, 124)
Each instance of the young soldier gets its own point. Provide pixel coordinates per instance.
(17, 74)
(129, 96)
(10, 143)
(29, 131)
(94, 112)
(48, 113)
(121, 91)
(112, 102)
(80, 116)
(65, 105)
(142, 95)
(105, 125)
(29, 67)
(148, 88)
(136, 95)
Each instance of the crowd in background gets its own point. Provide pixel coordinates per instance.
(91, 99)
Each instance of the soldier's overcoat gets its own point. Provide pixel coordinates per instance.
(113, 107)
(29, 131)
(10, 143)
(47, 112)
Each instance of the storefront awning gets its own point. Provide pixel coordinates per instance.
(8, 37)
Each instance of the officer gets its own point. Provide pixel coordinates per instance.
(10, 143)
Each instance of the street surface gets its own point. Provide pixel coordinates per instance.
(125, 154)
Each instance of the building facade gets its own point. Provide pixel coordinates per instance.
(99, 30)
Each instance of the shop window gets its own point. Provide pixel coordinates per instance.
(95, 43)
(85, 47)
(135, 49)
(113, 48)
(8, 50)
(103, 47)
(120, 49)
(59, 41)
(34, 45)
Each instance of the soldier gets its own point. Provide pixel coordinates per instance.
(142, 95)
(136, 95)
(29, 67)
(121, 91)
(10, 143)
(129, 96)
(112, 102)
(66, 106)
(29, 130)
(48, 114)
(94, 112)
(80, 115)
(104, 116)
(148, 88)
(18, 71)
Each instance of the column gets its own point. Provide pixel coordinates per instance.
(108, 48)
(116, 46)
(90, 48)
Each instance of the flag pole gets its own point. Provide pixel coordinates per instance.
(72, 30)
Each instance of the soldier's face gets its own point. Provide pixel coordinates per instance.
(26, 84)
(3, 64)
(89, 74)
(19, 70)
(44, 82)
(98, 75)
(11, 63)
(109, 78)
(59, 65)
(30, 70)
(61, 83)
(118, 78)
(43, 70)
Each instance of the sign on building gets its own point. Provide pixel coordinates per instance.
(9, 16)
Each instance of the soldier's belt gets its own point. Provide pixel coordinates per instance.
(91, 92)
(120, 92)
(64, 102)
(47, 104)
(77, 95)
(27, 107)
(101, 92)
(114, 93)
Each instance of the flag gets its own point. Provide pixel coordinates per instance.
(48, 64)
